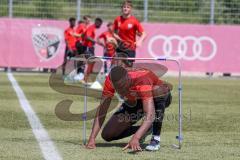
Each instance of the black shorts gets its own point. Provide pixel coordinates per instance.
(88, 51)
(136, 112)
(80, 48)
(69, 53)
(129, 54)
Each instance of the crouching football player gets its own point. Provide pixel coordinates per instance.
(145, 96)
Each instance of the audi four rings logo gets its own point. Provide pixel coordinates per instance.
(187, 48)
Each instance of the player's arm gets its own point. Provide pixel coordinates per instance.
(140, 33)
(115, 28)
(90, 39)
(149, 110)
(141, 38)
(98, 121)
(116, 36)
(77, 35)
(162, 89)
(99, 40)
(87, 34)
(66, 36)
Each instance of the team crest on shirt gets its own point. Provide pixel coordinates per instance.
(130, 26)
(46, 42)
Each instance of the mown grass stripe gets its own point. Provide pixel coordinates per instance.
(47, 146)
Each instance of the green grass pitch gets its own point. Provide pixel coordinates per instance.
(211, 125)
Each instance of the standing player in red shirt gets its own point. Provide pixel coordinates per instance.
(145, 95)
(109, 43)
(89, 37)
(127, 28)
(70, 41)
(88, 44)
(80, 30)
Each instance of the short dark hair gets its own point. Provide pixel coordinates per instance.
(117, 73)
(71, 19)
(127, 2)
(80, 22)
(98, 20)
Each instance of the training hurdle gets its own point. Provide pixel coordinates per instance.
(179, 137)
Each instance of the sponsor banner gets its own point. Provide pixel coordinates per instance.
(200, 48)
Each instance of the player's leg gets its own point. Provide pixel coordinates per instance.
(124, 119)
(131, 54)
(64, 61)
(125, 47)
(124, 128)
(89, 53)
(105, 67)
(105, 62)
(79, 64)
(161, 103)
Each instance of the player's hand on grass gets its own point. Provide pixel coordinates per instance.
(91, 144)
(133, 144)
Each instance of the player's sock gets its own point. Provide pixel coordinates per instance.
(154, 144)
(156, 138)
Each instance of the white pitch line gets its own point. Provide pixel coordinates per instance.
(48, 149)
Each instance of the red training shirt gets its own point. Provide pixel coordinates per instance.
(81, 28)
(90, 32)
(70, 39)
(143, 81)
(110, 49)
(127, 29)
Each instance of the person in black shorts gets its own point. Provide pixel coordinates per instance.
(79, 33)
(70, 40)
(127, 28)
(88, 44)
(145, 95)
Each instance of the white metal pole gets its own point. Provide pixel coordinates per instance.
(10, 9)
(78, 10)
(212, 9)
(145, 10)
(85, 115)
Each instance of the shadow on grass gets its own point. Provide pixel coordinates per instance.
(120, 145)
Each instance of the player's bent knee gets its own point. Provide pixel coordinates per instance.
(106, 136)
(169, 100)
